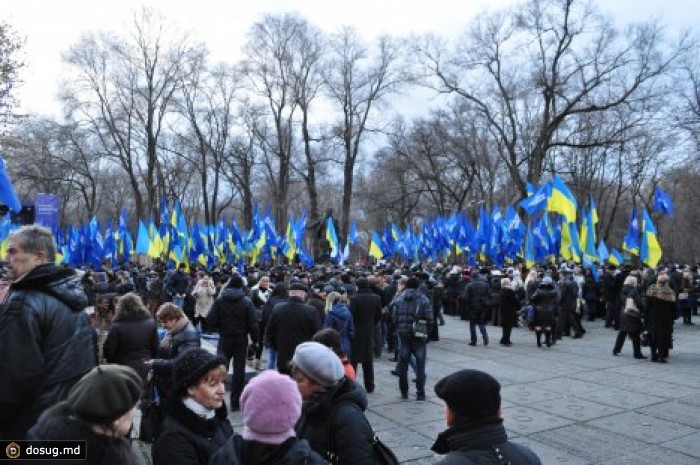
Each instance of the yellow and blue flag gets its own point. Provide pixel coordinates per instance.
(562, 201)
(651, 250)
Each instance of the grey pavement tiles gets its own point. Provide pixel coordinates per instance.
(573, 403)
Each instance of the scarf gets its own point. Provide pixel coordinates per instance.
(198, 408)
(179, 326)
(661, 293)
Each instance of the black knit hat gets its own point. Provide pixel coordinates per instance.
(470, 394)
(191, 365)
(105, 393)
(236, 282)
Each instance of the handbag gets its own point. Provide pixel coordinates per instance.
(631, 308)
(383, 455)
(151, 414)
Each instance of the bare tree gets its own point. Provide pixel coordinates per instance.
(10, 65)
(268, 65)
(359, 81)
(124, 88)
(529, 73)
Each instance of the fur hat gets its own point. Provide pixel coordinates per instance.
(191, 365)
(470, 394)
(319, 363)
(271, 406)
(105, 393)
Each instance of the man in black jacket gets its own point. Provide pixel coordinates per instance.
(234, 316)
(477, 298)
(290, 324)
(46, 340)
(475, 432)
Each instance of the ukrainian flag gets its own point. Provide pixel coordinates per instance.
(651, 250)
(375, 249)
(562, 201)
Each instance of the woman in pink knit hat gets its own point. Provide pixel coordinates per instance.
(271, 406)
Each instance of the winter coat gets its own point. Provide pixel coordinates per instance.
(188, 439)
(339, 411)
(293, 451)
(406, 306)
(58, 423)
(476, 444)
(47, 344)
(546, 302)
(204, 292)
(266, 312)
(568, 293)
(509, 307)
(630, 323)
(234, 316)
(340, 319)
(177, 283)
(186, 338)
(660, 313)
(366, 309)
(319, 304)
(477, 298)
(290, 324)
(132, 339)
(591, 289)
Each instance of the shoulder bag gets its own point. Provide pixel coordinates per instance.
(631, 308)
(383, 455)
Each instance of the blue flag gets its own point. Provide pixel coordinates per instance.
(8, 196)
(663, 202)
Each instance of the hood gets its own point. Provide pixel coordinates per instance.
(292, 451)
(347, 391)
(62, 283)
(233, 294)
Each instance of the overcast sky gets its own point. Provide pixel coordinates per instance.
(51, 27)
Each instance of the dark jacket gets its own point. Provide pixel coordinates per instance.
(660, 313)
(591, 289)
(477, 444)
(47, 343)
(630, 323)
(546, 302)
(293, 451)
(177, 283)
(59, 424)
(234, 316)
(510, 304)
(291, 323)
(366, 309)
(568, 293)
(340, 319)
(188, 439)
(266, 312)
(340, 412)
(319, 304)
(405, 308)
(185, 339)
(477, 298)
(132, 339)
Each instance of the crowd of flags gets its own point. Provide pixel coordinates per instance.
(554, 228)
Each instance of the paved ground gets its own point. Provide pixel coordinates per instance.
(574, 403)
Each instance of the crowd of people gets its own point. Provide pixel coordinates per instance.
(72, 373)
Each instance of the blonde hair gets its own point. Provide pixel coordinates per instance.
(333, 298)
